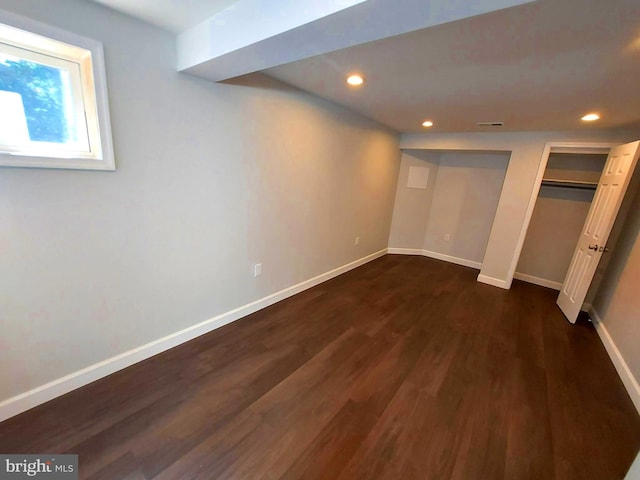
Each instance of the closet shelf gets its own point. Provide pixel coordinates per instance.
(552, 182)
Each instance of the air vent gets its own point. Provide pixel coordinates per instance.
(490, 124)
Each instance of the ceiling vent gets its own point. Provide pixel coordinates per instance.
(490, 124)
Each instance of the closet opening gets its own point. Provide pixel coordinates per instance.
(566, 212)
(567, 188)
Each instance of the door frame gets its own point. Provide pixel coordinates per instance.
(549, 148)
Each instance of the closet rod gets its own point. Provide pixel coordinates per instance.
(569, 184)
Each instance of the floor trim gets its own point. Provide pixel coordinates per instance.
(405, 251)
(438, 256)
(629, 381)
(39, 395)
(543, 282)
(449, 258)
(496, 282)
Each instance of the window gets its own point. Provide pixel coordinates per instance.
(53, 98)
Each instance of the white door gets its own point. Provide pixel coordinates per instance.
(595, 232)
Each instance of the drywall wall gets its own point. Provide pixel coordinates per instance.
(526, 149)
(210, 179)
(616, 301)
(577, 167)
(412, 205)
(634, 470)
(464, 203)
(459, 200)
(555, 226)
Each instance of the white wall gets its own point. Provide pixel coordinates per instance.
(460, 201)
(464, 203)
(526, 149)
(211, 178)
(616, 302)
(634, 470)
(555, 226)
(575, 166)
(413, 205)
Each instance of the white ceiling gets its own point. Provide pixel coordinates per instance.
(245, 39)
(538, 66)
(173, 15)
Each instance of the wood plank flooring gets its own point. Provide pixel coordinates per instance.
(405, 368)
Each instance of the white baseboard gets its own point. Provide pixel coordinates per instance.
(543, 282)
(44, 393)
(438, 256)
(496, 282)
(629, 381)
(448, 258)
(405, 251)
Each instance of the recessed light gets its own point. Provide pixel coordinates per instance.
(355, 80)
(427, 123)
(591, 117)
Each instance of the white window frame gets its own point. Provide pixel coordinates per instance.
(37, 40)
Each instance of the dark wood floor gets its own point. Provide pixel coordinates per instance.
(405, 368)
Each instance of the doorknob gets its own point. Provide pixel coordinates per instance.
(603, 249)
(593, 247)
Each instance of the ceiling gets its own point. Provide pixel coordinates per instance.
(538, 66)
(173, 15)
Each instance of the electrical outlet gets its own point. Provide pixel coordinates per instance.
(257, 270)
(356, 242)
(447, 237)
